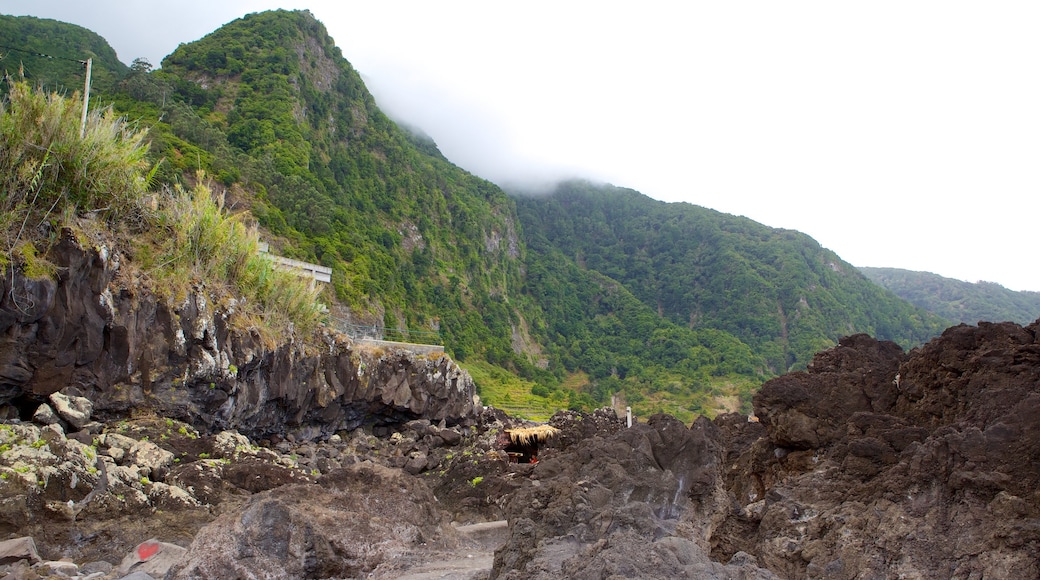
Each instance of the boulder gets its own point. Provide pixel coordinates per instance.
(151, 557)
(165, 496)
(230, 444)
(61, 568)
(45, 415)
(450, 437)
(17, 549)
(153, 461)
(416, 464)
(356, 520)
(75, 410)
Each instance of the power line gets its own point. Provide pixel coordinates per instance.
(86, 87)
(42, 55)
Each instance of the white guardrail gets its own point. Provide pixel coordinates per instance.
(319, 273)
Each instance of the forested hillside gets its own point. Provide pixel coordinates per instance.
(956, 300)
(269, 106)
(586, 294)
(776, 290)
(51, 54)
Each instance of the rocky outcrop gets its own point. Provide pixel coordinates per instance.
(88, 334)
(873, 463)
(634, 503)
(90, 500)
(359, 521)
(143, 477)
(876, 463)
(242, 459)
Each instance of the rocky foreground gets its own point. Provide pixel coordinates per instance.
(873, 464)
(140, 440)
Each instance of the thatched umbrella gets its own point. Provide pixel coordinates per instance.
(529, 435)
(523, 441)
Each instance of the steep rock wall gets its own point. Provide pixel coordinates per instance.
(92, 335)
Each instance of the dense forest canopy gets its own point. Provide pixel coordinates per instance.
(572, 299)
(52, 54)
(778, 291)
(958, 301)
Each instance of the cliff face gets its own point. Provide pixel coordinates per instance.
(90, 335)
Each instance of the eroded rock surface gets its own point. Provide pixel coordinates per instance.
(356, 521)
(628, 503)
(119, 348)
(876, 463)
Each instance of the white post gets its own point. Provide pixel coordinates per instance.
(628, 411)
(86, 101)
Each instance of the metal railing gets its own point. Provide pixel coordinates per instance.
(361, 332)
(305, 269)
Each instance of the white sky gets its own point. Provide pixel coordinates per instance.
(896, 133)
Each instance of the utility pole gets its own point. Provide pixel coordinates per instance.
(86, 100)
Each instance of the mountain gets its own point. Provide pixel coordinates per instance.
(271, 107)
(956, 300)
(51, 54)
(778, 291)
(144, 393)
(589, 295)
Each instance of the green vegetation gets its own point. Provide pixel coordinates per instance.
(516, 396)
(48, 55)
(958, 301)
(206, 243)
(269, 106)
(596, 326)
(561, 301)
(776, 291)
(48, 173)
(52, 177)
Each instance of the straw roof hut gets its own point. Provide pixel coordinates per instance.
(532, 435)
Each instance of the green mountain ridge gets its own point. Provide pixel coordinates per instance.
(669, 307)
(776, 290)
(48, 53)
(956, 300)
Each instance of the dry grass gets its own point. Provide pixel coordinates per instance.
(203, 244)
(52, 177)
(528, 435)
(50, 174)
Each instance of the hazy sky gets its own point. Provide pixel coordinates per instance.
(896, 133)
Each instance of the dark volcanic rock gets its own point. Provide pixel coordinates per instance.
(353, 521)
(634, 503)
(88, 334)
(576, 426)
(880, 464)
(856, 376)
(874, 463)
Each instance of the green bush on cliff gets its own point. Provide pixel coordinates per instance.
(200, 242)
(49, 173)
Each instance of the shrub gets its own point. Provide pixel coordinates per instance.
(50, 173)
(205, 243)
